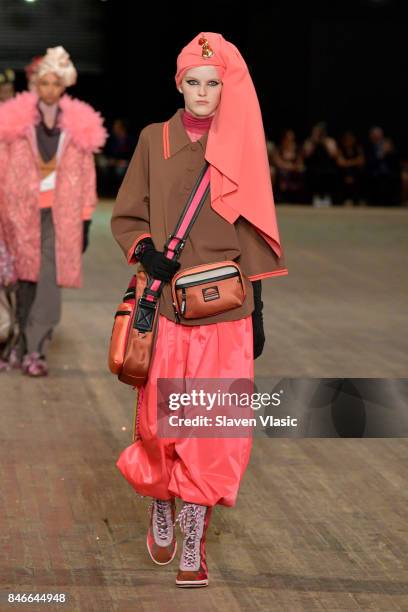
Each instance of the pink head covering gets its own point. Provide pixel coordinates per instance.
(236, 148)
(56, 60)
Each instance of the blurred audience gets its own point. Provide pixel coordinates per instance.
(114, 160)
(287, 159)
(350, 160)
(7, 78)
(383, 171)
(404, 182)
(323, 171)
(320, 153)
(270, 147)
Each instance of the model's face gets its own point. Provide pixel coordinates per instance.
(50, 88)
(6, 91)
(201, 88)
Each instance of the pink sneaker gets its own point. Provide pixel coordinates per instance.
(4, 365)
(14, 360)
(161, 538)
(194, 520)
(34, 365)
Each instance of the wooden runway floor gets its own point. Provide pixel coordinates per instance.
(320, 524)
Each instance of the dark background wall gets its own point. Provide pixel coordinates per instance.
(344, 62)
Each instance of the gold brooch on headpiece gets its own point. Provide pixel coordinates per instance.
(206, 49)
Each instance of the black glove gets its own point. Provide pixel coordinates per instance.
(257, 320)
(156, 263)
(85, 237)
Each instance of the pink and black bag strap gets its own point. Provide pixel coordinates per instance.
(147, 304)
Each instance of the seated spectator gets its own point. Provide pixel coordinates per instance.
(7, 78)
(383, 173)
(319, 154)
(288, 161)
(404, 182)
(270, 147)
(350, 160)
(120, 147)
(113, 163)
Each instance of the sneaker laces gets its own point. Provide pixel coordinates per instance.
(188, 519)
(163, 508)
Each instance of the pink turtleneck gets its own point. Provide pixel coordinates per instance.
(196, 126)
(49, 112)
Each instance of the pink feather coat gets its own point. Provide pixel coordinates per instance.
(75, 191)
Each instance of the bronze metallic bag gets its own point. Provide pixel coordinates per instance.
(136, 319)
(207, 289)
(130, 348)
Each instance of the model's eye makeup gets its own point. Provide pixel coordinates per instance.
(212, 83)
